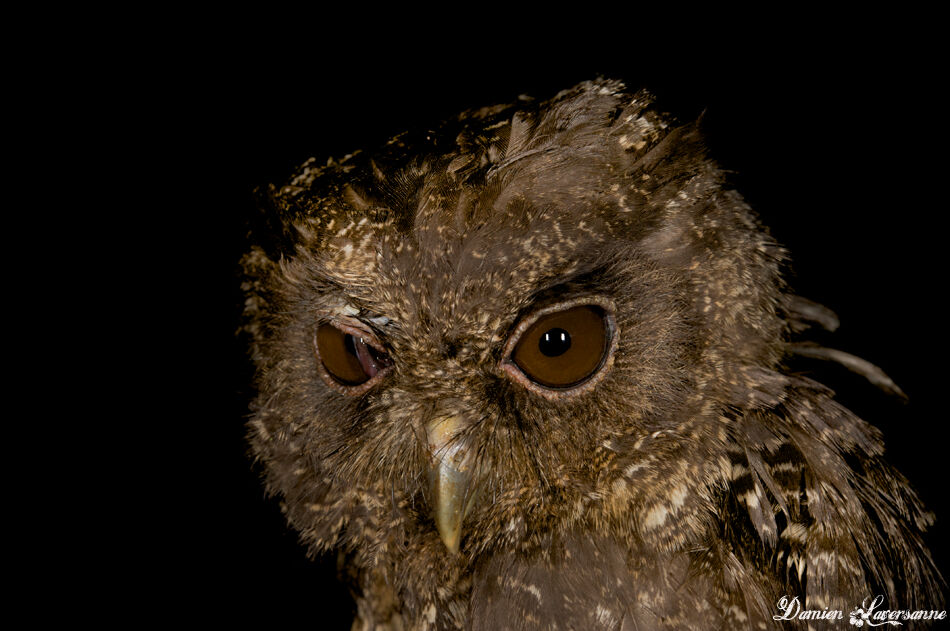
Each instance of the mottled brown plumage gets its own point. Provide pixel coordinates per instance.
(688, 483)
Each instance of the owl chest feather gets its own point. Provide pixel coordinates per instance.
(590, 583)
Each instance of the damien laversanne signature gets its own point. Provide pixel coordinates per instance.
(870, 613)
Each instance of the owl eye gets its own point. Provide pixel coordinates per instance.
(565, 348)
(349, 356)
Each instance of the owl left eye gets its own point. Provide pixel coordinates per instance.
(561, 349)
(350, 357)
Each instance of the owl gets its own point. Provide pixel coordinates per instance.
(528, 369)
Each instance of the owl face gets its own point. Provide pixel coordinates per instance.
(486, 337)
(489, 400)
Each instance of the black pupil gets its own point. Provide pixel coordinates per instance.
(555, 342)
(350, 344)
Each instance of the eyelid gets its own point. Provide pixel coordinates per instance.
(513, 372)
(355, 328)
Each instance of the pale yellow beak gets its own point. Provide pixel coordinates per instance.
(450, 477)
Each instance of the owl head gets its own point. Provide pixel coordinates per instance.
(478, 336)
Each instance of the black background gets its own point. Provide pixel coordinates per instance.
(832, 135)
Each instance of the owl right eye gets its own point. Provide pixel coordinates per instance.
(562, 348)
(351, 358)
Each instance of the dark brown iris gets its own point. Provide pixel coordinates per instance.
(563, 349)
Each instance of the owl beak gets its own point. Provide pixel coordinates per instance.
(450, 478)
